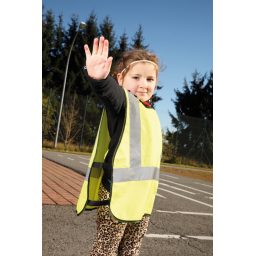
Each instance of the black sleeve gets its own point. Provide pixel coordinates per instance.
(110, 92)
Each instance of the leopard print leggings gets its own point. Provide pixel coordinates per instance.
(113, 236)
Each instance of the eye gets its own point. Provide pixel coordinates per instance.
(135, 77)
(150, 79)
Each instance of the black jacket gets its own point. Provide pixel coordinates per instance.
(114, 99)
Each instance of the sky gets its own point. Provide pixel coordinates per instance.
(179, 32)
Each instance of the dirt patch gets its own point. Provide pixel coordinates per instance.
(190, 174)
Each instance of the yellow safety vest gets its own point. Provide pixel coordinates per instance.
(135, 165)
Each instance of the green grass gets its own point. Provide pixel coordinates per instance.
(67, 151)
(185, 162)
(87, 150)
(189, 166)
(190, 174)
(69, 148)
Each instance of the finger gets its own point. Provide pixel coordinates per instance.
(87, 51)
(95, 46)
(108, 63)
(101, 44)
(105, 49)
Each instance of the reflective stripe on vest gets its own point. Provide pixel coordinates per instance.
(136, 164)
(136, 172)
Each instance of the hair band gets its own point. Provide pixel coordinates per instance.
(140, 61)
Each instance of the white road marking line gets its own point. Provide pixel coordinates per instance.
(60, 155)
(190, 213)
(203, 184)
(179, 237)
(83, 163)
(209, 197)
(83, 157)
(170, 176)
(160, 195)
(177, 188)
(185, 186)
(186, 197)
(202, 237)
(70, 158)
(163, 236)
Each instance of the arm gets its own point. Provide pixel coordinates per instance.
(97, 69)
(110, 92)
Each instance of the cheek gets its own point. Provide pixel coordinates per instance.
(131, 86)
(152, 88)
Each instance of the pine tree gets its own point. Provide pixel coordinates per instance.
(95, 107)
(197, 100)
(56, 47)
(156, 98)
(48, 33)
(168, 144)
(123, 45)
(58, 61)
(91, 30)
(138, 40)
(107, 30)
(75, 80)
(208, 101)
(193, 105)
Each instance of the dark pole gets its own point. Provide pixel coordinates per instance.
(83, 121)
(82, 24)
(176, 136)
(203, 142)
(46, 114)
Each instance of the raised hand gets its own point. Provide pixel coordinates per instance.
(98, 64)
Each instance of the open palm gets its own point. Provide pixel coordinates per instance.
(98, 64)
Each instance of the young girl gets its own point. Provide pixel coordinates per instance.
(122, 177)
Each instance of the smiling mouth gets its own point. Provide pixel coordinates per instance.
(141, 92)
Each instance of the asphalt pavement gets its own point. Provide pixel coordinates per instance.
(181, 222)
(65, 159)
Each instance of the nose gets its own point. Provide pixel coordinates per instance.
(143, 83)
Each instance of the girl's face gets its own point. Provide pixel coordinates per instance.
(140, 80)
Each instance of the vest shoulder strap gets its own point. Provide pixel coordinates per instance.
(102, 165)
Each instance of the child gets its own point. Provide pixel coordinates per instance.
(123, 173)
